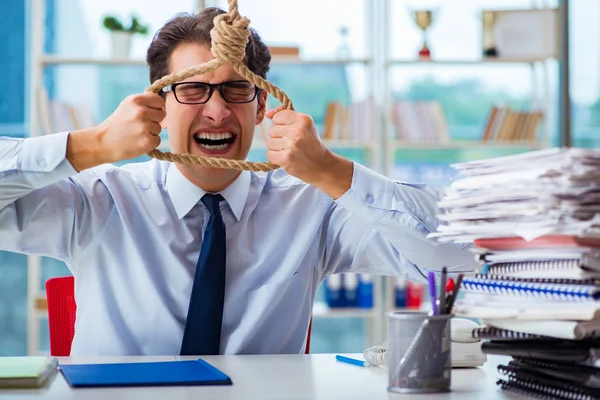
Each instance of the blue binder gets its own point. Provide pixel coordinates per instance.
(168, 373)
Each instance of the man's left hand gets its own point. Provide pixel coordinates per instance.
(294, 144)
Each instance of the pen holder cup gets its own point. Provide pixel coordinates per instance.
(419, 354)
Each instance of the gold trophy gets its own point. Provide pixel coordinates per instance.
(424, 19)
(488, 19)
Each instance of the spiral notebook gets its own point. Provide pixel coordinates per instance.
(559, 292)
(573, 268)
(574, 330)
(491, 333)
(571, 351)
(486, 307)
(540, 279)
(537, 384)
(586, 375)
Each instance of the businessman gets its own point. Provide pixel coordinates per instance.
(183, 259)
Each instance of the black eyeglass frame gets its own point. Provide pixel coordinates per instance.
(212, 87)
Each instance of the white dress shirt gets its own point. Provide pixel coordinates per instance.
(131, 236)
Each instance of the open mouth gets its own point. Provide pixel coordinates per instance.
(218, 142)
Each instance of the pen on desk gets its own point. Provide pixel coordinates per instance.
(432, 294)
(352, 361)
(443, 278)
(454, 294)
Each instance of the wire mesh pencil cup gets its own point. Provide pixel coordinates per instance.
(419, 355)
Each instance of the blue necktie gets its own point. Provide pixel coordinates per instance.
(202, 333)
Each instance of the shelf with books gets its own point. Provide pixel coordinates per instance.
(419, 137)
(469, 144)
(430, 122)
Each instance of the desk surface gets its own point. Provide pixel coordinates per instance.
(276, 377)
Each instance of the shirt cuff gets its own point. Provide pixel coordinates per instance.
(43, 159)
(370, 196)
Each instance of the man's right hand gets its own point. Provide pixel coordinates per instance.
(131, 131)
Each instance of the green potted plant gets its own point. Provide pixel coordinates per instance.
(120, 36)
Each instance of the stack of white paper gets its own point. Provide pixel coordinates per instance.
(554, 191)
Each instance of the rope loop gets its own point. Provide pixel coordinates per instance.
(229, 38)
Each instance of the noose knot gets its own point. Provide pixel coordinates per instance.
(229, 37)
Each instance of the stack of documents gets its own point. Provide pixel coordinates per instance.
(534, 221)
(554, 191)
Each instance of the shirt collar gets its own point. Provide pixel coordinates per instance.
(185, 195)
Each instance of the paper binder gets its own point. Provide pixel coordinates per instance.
(528, 289)
(169, 373)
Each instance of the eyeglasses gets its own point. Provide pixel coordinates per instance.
(236, 92)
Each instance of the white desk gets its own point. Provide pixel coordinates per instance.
(275, 377)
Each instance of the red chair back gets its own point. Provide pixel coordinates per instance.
(60, 294)
(308, 337)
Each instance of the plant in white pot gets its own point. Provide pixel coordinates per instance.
(121, 37)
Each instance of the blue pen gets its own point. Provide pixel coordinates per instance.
(352, 361)
(432, 294)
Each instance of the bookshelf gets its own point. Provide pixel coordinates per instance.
(397, 145)
(447, 150)
(540, 94)
(380, 151)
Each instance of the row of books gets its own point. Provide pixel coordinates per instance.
(61, 116)
(507, 125)
(533, 220)
(425, 122)
(352, 122)
(408, 294)
(420, 122)
(349, 290)
(414, 121)
(352, 290)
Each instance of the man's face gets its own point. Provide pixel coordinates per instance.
(214, 129)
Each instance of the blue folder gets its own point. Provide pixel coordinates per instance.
(169, 373)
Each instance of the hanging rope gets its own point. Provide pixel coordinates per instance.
(228, 44)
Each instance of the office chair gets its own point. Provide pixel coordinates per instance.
(60, 294)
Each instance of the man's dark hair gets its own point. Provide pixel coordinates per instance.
(195, 28)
